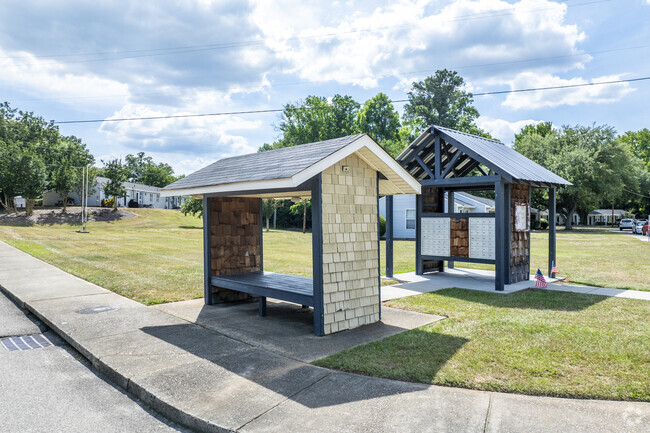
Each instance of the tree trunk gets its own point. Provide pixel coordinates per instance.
(115, 203)
(613, 218)
(268, 223)
(65, 201)
(29, 206)
(568, 222)
(304, 216)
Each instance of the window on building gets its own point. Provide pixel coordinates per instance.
(150, 197)
(410, 219)
(157, 198)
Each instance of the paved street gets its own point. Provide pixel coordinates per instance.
(50, 389)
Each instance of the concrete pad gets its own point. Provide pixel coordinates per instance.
(156, 348)
(13, 321)
(56, 287)
(288, 328)
(518, 413)
(352, 403)
(231, 391)
(66, 316)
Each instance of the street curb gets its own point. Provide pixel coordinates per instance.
(136, 391)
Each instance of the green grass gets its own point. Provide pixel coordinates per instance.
(537, 342)
(158, 256)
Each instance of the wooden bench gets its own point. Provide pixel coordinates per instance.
(299, 290)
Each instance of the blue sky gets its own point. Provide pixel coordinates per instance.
(111, 59)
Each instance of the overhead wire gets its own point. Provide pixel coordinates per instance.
(277, 110)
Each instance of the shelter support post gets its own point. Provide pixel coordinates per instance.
(451, 208)
(507, 235)
(317, 253)
(551, 231)
(419, 266)
(530, 226)
(499, 238)
(389, 236)
(262, 306)
(207, 253)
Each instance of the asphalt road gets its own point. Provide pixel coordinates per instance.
(52, 389)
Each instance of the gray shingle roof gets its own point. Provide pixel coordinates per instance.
(494, 154)
(273, 164)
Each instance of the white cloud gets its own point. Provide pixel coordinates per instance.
(598, 94)
(394, 38)
(24, 73)
(503, 130)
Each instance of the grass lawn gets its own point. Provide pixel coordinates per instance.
(158, 256)
(536, 342)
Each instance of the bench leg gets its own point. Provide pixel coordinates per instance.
(262, 301)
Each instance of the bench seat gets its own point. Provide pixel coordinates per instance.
(290, 288)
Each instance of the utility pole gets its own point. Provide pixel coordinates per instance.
(84, 199)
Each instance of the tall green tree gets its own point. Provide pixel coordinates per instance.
(639, 144)
(67, 162)
(440, 100)
(26, 141)
(378, 118)
(142, 169)
(598, 165)
(117, 174)
(315, 119)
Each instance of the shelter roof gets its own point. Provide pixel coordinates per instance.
(475, 151)
(290, 167)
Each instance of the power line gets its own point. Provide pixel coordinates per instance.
(154, 52)
(278, 110)
(636, 193)
(376, 76)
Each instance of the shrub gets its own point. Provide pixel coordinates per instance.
(38, 202)
(108, 202)
(382, 226)
(543, 224)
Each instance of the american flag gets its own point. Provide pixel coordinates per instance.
(553, 268)
(541, 282)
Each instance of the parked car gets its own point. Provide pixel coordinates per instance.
(638, 227)
(645, 229)
(626, 223)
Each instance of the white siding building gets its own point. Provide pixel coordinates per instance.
(404, 210)
(144, 195)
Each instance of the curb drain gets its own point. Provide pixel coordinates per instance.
(26, 342)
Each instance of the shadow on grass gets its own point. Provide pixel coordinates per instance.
(536, 299)
(191, 227)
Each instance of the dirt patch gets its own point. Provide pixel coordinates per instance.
(70, 216)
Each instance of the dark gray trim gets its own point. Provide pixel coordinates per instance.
(379, 247)
(458, 215)
(425, 167)
(459, 259)
(451, 205)
(317, 253)
(389, 236)
(506, 233)
(261, 236)
(551, 231)
(441, 202)
(207, 253)
(499, 253)
(530, 239)
(450, 166)
(474, 155)
(436, 150)
(462, 181)
(419, 266)
(261, 305)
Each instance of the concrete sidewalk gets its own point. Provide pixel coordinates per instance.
(483, 281)
(200, 366)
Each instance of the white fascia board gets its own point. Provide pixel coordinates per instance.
(363, 141)
(230, 187)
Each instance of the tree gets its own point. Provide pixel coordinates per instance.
(316, 119)
(142, 169)
(26, 142)
(378, 119)
(193, 206)
(116, 173)
(69, 158)
(269, 205)
(639, 143)
(599, 167)
(440, 100)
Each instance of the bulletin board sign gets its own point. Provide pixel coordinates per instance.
(522, 217)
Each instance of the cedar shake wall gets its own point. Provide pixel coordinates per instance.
(350, 249)
(459, 237)
(432, 202)
(235, 240)
(519, 259)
